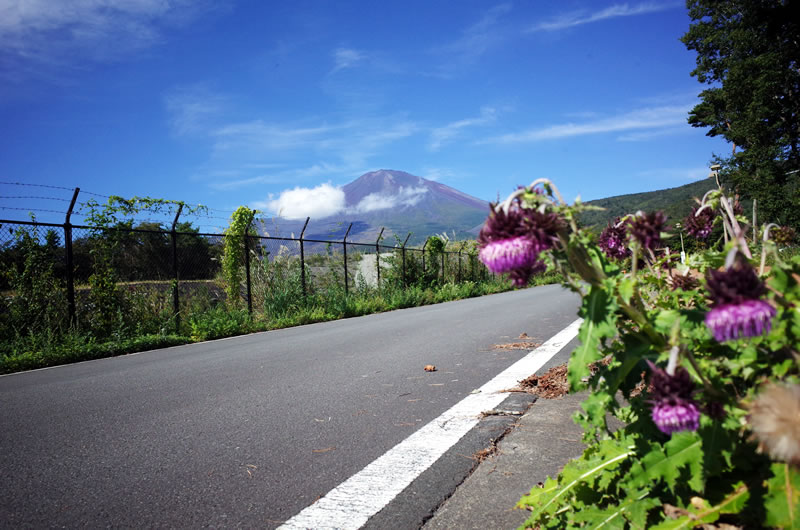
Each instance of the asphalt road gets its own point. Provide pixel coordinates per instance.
(246, 432)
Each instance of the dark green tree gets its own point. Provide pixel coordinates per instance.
(748, 52)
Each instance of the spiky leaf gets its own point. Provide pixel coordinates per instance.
(599, 322)
(783, 497)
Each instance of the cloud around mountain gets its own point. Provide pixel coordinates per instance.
(297, 203)
(326, 200)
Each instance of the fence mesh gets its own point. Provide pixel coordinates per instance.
(151, 280)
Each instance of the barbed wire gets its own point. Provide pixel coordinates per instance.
(33, 197)
(37, 185)
(42, 210)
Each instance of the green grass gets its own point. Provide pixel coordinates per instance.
(26, 352)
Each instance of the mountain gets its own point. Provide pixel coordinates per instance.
(402, 203)
(675, 202)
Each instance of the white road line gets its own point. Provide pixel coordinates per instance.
(354, 501)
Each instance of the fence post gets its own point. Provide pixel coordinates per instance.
(175, 302)
(303, 258)
(378, 257)
(70, 272)
(344, 248)
(423, 256)
(471, 267)
(247, 262)
(405, 281)
(460, 278)
(443, 254)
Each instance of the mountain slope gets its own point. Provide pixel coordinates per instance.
(401, 202)
(675, 202)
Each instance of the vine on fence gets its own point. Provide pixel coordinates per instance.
(699, 363)
(106, 220)
(233, 253)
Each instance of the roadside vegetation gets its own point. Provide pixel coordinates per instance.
(125, 300)
(692, 345)
(697, 359)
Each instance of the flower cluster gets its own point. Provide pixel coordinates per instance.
(671, 396)
(699, 225)
(683, 282)
(737, 308)
(511, 241)
(646, 228)
(613, 240)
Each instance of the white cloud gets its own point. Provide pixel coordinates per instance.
(261, 136)
(59, 33)
(298, 203)
(381, 201)
(326, 200)
(681, 174)
(474, 42)
(346, 58)
(442, 135)
(618, 10)
(643, 136)
(192, 108)
(641, 119)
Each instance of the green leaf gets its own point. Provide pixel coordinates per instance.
(705, 513)
(718, 446)
(635, 350)
(666, 319)
(637, 512)
(633, 509)
(600, 319)
(782, 501)
(626, 288)
(684, 449)
(596, 460)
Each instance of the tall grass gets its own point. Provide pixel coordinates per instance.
(38, 334)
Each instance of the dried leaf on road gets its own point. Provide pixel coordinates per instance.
(524, 345)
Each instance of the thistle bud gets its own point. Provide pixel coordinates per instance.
(738, 311)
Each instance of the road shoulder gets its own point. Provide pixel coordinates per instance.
(538, 446)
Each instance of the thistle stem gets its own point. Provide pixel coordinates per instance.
(672, 364)
(764, 247)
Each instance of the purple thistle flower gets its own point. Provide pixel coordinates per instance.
(543, 227)
(750, 318)
(673, 407)
(646, 228)
(613, 240)
(738, 311)
(512, 241)
(676, 415)
(520, 276)
(700, 226)
(507, 255)
(504, 242)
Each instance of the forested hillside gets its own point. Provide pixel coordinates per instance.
(675, 202)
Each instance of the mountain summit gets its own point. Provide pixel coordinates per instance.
(404, 203)
(400, 202)
(387, 188)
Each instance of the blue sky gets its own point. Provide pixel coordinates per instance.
(227, 103)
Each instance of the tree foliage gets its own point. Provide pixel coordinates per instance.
(748, 52)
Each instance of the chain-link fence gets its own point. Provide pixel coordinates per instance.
(146, 279)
